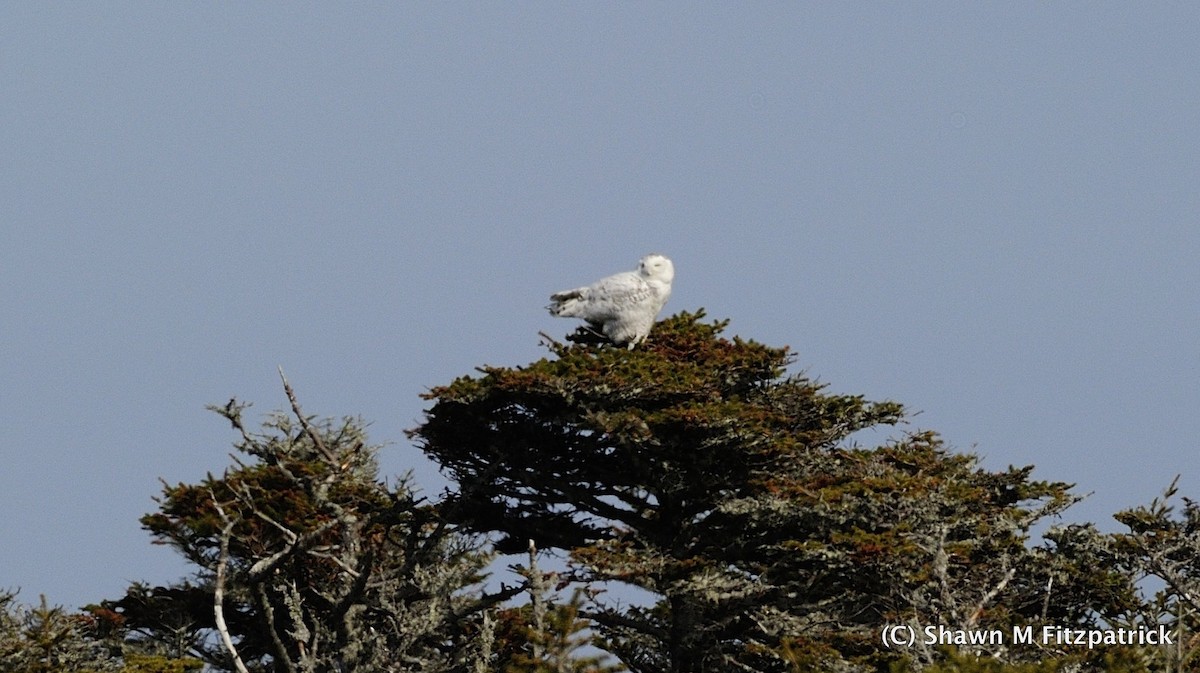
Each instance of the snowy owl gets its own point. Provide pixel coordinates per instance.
(624, 305)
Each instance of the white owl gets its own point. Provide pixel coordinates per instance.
(624, 305)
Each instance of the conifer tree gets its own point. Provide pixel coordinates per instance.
(1160, 547)
(46, 639)
(306, 561)
(545, 635)
(732, 493)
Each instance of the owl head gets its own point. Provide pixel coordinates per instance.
(656, 267)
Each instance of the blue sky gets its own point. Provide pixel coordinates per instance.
(988, 212)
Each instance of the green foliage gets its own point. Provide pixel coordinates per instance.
(545, 636)
(697, 470)
(552, 642)
(1161, 546)
(46, 638)
(952, 661)
(141, 663)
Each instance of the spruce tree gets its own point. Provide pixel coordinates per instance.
(1160, 547)
(307, 561)
(733, 495)
(48, 639)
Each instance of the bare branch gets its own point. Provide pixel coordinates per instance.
(287, 532)
(264, 604)
(308, 429)
(264, 566)
(987, 598)
(219, 588)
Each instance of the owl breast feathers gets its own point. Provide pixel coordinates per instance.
(622, 306)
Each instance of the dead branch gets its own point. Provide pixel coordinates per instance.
(308, 429)
(219, 588)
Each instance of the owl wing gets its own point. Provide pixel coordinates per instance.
(614, 297)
